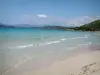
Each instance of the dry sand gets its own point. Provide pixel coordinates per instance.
(81, 64)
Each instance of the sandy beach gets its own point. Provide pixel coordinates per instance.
(81, 64)
(86, 63)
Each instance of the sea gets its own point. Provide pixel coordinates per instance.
(18, 46)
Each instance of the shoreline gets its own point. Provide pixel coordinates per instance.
(64, 66)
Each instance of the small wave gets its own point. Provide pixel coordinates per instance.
(48, 43)
(23, 46)
(51, 42)
(63, 39)
(58, 41)
(75, 47)
(85, 36)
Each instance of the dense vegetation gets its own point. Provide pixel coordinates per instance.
(93, 26)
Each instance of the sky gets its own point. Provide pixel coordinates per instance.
(51, 12)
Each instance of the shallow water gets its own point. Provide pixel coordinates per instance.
(18, 46)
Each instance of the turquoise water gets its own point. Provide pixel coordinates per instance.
(20, 45)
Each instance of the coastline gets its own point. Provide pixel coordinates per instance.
(84, 61)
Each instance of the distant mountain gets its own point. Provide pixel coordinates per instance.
(17, 26)
(5, 26)
(58, 27)
(23, 25)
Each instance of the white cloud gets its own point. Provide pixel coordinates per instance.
(41, 16)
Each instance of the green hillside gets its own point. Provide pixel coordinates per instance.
(93, 26)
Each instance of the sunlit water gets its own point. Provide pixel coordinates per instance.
(18, 46)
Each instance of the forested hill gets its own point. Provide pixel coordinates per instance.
(93, 26)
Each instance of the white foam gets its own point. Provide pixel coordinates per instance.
(56, 41)
(76, 38)
(86, 36)
(63, 39)
(23, 46)
(75, 47)
(48, 43)
(90, 42)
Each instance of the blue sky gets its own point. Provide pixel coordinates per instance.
(39, 12)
